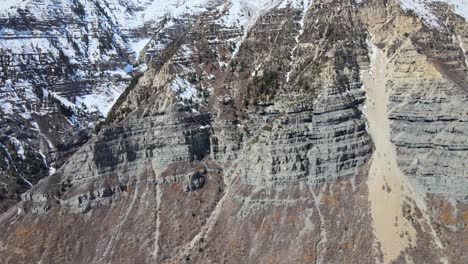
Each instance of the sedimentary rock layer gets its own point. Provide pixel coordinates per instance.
(275, 141)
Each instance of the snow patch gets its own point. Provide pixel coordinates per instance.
(7, 108)
(242, 12)
(184, 89)
(52, 170)
(460, 43)
(19, 147)
(137, 45)
(103, 98)
(158, 10)
(422, 9)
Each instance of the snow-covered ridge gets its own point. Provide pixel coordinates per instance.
(242, 13)
(422, 9)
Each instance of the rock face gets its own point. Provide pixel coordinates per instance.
(58, 59)
(63, 65)
(251, 138)
(428, 110)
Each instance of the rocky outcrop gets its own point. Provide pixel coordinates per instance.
(428, 85)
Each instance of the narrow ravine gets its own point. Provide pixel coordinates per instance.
(387, 190)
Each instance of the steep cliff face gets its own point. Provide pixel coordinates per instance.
(271, 132)
(64, 64)
(424, 86)
(428, 106)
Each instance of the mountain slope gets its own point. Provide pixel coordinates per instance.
(64, 64)
(303, 131)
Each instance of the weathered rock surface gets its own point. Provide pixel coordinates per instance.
(63, 65)
(246, 142)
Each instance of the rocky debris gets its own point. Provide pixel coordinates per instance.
(195, 181)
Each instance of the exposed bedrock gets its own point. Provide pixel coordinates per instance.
(249, 145)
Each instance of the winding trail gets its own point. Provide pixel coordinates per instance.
(387, 191)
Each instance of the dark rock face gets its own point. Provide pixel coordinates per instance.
(246, 142)
(195, 181)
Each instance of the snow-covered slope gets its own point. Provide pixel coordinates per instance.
(423, 8)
